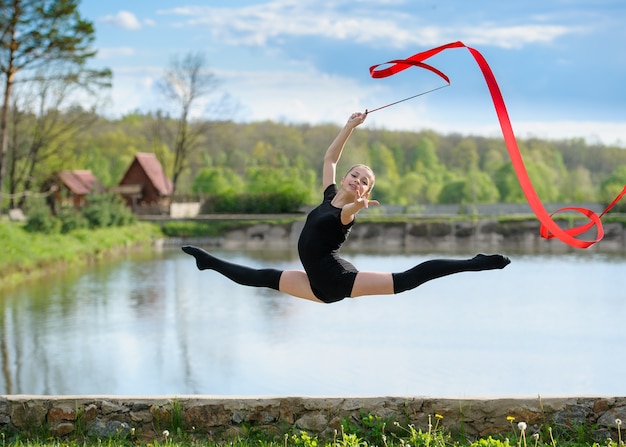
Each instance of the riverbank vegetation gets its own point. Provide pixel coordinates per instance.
(27, 255)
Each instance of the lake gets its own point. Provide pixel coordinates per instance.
(152, 324)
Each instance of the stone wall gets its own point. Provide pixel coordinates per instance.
(217, 418)
(415, 235)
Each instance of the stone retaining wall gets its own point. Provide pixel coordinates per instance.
(216, 418)
(418, 235)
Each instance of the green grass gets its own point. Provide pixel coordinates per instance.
(27, 255)
(371, 432)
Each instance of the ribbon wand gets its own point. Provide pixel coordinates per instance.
(406, 99)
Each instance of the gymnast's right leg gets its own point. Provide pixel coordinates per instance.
(240, 274)
(292, 282)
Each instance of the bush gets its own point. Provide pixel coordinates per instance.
(288, 201)
(72, 220)
(102, 211)
(107, 210)
(39, 219)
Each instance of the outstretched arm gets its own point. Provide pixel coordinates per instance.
(350, 210)
(333, 153)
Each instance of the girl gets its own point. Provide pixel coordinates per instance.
(327, 277)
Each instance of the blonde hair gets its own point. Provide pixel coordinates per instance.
(360, 165)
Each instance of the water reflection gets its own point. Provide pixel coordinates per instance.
(153, 324)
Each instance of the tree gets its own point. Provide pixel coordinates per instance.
(47, 129)
(185, 83)
(464, 156)
(424, 155)
(612, 185)
(578, 186)
(36, 35)
(218, 181)
(479, 188)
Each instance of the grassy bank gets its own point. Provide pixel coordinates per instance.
(26, 255)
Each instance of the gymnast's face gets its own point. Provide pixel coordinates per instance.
(359, 180)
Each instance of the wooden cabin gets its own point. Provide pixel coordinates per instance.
(145, 187)
(71, 188)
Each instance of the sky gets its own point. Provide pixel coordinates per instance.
(560, 64)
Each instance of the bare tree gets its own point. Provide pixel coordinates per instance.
(186, 84)
(35, 34)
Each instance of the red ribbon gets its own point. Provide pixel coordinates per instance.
(549, 228)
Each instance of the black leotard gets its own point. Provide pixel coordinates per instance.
(331, 277)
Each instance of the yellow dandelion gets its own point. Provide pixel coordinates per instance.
(510, 418)
(438, 416)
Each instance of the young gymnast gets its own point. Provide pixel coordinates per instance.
(327, 277)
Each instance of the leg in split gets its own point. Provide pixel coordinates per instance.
(240, 274)
(378, 283)
(292, 282)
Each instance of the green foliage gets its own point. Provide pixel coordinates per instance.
(268, 190)
(479, 188)
(107, 210)
(452, 192)
(350, 440)
(304, 440)
(218, 181)
(285, 201)
(24, 253)
(433, 435)
(71, 220)
(369, 428)
(612, 185)
(508, 185)
(40, 220)
(490, 442)
(241, 165)
(383, 162)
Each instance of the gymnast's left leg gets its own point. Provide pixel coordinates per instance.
(379, 283)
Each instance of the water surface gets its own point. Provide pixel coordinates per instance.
(153, 324)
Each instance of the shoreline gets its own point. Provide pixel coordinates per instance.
(411, 235)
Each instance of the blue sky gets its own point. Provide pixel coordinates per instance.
(561, 64)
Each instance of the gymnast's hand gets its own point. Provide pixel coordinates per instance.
(350, 209)
(361, 201)
(356, 119)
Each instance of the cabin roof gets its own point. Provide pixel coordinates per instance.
(80, 182)
(153, 169)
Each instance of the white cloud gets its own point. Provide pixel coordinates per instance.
(257, 25)
(123, 19)
(604, 132)
(515, 36)
(280, 96)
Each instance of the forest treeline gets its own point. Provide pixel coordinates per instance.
(232, 160)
